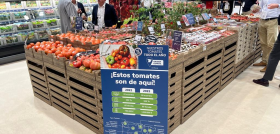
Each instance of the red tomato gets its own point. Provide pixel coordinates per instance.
(87, 63)
(95, 65)
(120, 57)
(57, 53)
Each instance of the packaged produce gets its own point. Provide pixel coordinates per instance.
(55, 31)
(16, 5)
(55, 2)
(42, 34)
(45, 3)
(3, 5)
(19, 15)
(49, 12)
(38, 24)
(83, 1)
(5, 16)
(30, 37)
(92, 1)
(31, 4)
(51, 22)
(6, 29)
(22, 26)
(12, 38)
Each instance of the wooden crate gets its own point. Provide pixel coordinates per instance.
(211, 89)
(238, 68)
(28, 52)
(38, 55)
(175, 77)
(188, 111)
(38, 79)
(98, 89)
(174, 121)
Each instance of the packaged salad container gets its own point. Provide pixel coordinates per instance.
(7, 29)
(5, 16)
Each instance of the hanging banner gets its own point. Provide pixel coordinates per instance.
(134, 89)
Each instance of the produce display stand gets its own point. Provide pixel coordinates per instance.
(194, 78)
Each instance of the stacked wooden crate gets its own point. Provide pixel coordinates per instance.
(193, 83)
(229, 54)
(214, 59)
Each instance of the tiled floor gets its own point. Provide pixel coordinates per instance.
(241, 108)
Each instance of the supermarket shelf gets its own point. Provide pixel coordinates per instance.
(13, 52)
(12, 58)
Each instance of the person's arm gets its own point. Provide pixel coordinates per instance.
(274, 5)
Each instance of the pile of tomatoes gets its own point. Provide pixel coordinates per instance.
(87, 63)
(121, 59)
(83, 39)
(173, 56)
(56, 48)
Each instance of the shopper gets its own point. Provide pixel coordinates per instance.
(228, 6)
(274, 57)
(268, 29)
(247, 7)
(104, 14)
(80, 9)
(66, 10)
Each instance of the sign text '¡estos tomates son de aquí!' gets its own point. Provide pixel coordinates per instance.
(134, 76)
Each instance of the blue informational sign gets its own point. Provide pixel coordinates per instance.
(177, 40)
(79, 23)
(205, 16)
(135, 101)
(190, 18)
(140, 26)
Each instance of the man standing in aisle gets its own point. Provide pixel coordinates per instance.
(80, 9)
(268, 29)
(274, 57)
(104, 15)
(66, 10)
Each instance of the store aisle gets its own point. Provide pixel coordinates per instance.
(241, 108)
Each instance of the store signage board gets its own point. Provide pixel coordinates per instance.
(137, 39)
(136, 100)
(205, 16)
(190, 18)
(177, 40)
(140, 26)
(79, 23)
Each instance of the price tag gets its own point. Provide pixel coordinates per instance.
(137, 38)
(204, 48)
(151, 29)
(162, 27)
(179, 24)
(96, 28)
(226, 6)
(210, 15)
(197, 18)
(215, 20)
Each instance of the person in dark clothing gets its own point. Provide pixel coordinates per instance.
(104, 14)
(273, 60)
(247, 7)
(80, 9)
(229, 8)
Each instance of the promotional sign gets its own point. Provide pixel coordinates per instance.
(215, 20)
(190, 18)
(140, 26)
(79, 23)
(205, 16)
(135, 95)
(177, 40)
